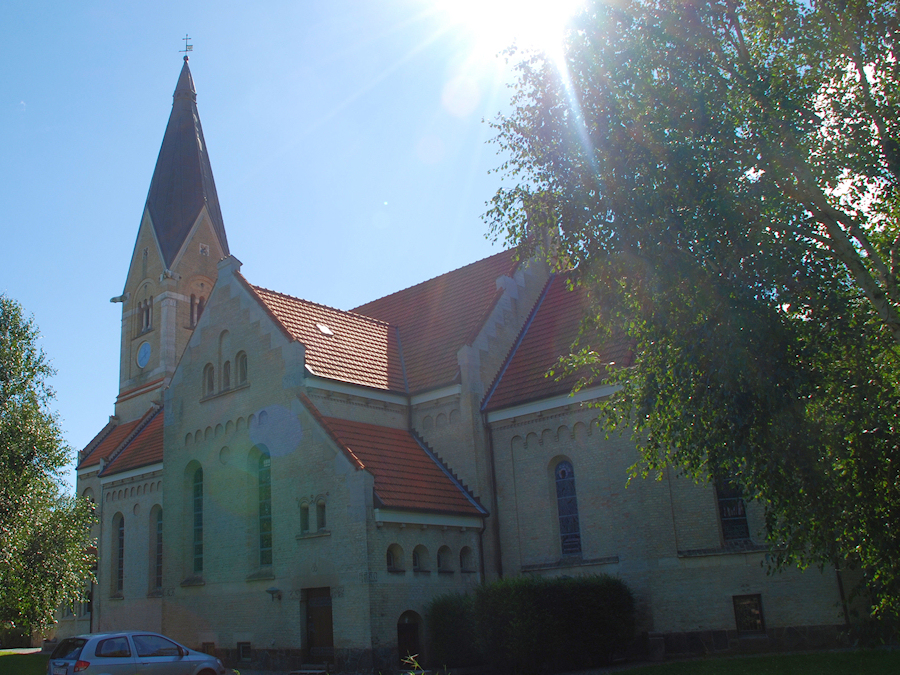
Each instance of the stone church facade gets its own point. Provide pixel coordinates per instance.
(284, 482)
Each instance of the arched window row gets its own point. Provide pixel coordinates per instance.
(312, 517)
(421, 559)
(231, 376)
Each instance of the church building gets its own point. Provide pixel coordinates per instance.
(283, 482)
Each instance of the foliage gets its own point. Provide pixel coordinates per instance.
(526, 624)
(44, 559)
(723, 178)
(452, 637)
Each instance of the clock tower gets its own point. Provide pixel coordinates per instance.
(180, 240)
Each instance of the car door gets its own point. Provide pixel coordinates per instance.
(112, 656)
(157, 655)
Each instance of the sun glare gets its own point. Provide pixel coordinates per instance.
(494, 25)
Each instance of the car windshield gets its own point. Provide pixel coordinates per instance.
(69, 649)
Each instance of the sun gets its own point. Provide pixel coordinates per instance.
(493, 25)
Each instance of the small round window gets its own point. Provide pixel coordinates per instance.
(143, 355)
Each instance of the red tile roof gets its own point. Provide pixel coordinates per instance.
(107, 444)
(406, 476)
(359, 350)
(439, 316)
(144, 449)
(554, 326)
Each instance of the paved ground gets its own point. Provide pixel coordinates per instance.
(24, 650)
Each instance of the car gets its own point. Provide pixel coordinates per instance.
(129, 653)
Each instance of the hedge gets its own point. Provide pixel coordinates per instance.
(528, 625)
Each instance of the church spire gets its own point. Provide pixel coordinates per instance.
(182, 180)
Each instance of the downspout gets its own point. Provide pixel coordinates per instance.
(494, 503)
(840, 584)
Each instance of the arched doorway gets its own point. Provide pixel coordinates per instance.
(409, 634)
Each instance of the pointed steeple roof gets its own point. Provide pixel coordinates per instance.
(183, 180)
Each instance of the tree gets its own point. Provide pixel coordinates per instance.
(44, 533)
(723, 178)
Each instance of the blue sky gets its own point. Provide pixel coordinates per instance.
(346, 138)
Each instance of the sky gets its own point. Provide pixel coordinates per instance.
(348, 140)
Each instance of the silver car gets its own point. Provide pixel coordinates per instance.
(129, 653)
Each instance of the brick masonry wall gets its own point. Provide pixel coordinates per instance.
(640, 532)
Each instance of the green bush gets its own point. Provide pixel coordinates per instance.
(526, 625)
(451, 631)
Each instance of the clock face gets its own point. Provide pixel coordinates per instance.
(143, 356)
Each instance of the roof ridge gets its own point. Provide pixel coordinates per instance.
(314, 411)
(155, 408)
(447, 471)
(439, 276)
(402, 360)
(98, 439)
(319, 304)
(518, 342)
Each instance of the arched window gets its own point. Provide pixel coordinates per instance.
(304, 518)
(444, 559)
(421, 559)
(320, 515)
(197, 304)
(466, 562)
(395, 558)
(148, 314)
(119, 561)
(264, 474)
(156, 525)
(226, 375)
(209, 380)
(197, 539)
(567, 505)
(241, 361)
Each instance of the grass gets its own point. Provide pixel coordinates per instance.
(23, 664)
(877, 662)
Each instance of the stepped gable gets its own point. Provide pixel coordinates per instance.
(144, 449)
(406, 476)
(182, 181)
(438, 317)
(552, 328)
(107, 444)
(339, 345)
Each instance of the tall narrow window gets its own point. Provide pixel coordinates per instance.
(567, 504)
(264, 473)
(732, 513)
(226, 375)
(209, 380)
(120, 556)
(241, 361)
(193, 321)
(198, 521)
(304, 518)
(320, 515)
(157, 562)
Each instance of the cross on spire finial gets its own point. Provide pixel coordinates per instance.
(187, 47)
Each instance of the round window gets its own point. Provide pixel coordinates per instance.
(143, 355)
